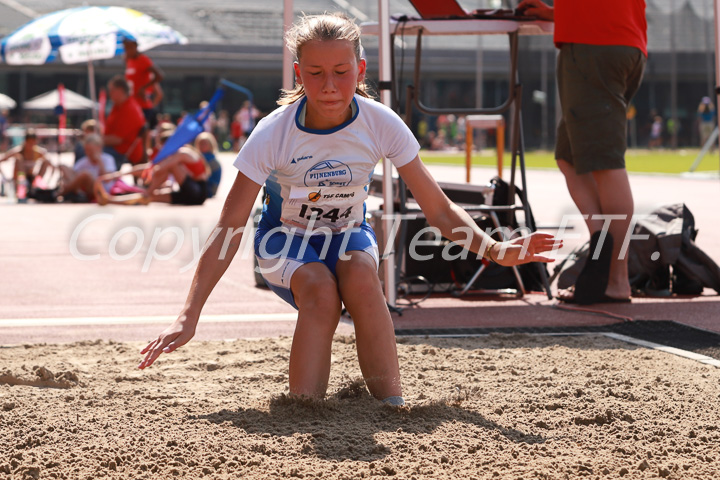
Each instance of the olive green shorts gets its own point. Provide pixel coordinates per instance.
(596, 84)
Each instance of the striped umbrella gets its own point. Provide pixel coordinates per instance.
(84, 34)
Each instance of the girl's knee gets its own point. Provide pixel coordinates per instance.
(316, 289)
(359, 272)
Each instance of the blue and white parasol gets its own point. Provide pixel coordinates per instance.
(84, 34)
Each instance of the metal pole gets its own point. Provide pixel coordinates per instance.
(544, 133)
(673, 77)
(93, 93)
(708, 50)
(479, 98)
(385, 73)
(479, 54)
(288, 75)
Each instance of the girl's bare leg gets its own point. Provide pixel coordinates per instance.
(316, 295)
(362, 295)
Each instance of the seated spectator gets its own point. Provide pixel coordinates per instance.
(206, 144)
(124, 126)
(189, 171)
(157, 133)
(30, 159)
(186, 167)
(87, 127)
(77, 183)
(4, 124)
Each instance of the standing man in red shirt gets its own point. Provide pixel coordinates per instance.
(142, 76)
(602, 55)
(125, 125)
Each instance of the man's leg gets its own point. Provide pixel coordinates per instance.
(605, 192)
(616, 198)
(584, 191)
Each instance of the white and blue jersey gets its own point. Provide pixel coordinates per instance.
(322, 173)
(316, 185)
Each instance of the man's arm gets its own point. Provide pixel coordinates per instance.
(156, 76)
(112, 140)
(536, 8)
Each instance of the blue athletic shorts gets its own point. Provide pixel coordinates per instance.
(280, 253)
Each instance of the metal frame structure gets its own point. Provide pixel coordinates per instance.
(513, 29)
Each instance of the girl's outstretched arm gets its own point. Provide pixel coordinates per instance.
(455, 224)
(216, 257)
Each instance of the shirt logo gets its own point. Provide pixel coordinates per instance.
(328, 173)
(314, 196)
(300, 159)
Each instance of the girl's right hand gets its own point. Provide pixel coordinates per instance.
(173, 337)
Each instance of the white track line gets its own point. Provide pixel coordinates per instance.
(656, 346)
(56, 322)
(616, 336)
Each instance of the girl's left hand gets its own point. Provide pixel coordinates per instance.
(525, 249)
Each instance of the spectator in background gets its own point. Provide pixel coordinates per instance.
(235, 133)
(246, 117)
(125, 125)
(77, 183)
(142, 75)
(656, 131)
(438, 141)
(222, 130)
(209, 123)
(706, 119)
(206, 144)
(185, 168)
(88, 127)
(4, 123)
(163, 126)
(30, 159)
(422, 132)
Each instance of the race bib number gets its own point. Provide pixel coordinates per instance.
(324, 207)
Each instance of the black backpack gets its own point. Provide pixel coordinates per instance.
(667, 261)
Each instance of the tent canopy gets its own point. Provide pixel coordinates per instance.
(6, 102)
(49, 100)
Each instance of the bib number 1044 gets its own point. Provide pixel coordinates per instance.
(307, 212)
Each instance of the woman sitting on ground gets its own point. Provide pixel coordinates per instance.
(186, 167)
(80, 179)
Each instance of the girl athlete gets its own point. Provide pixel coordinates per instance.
(316, 155)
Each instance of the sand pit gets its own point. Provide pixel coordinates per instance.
(491, 407)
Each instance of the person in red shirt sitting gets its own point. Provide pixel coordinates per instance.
(125, 125)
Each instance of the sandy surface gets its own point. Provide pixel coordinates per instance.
(491, 407)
